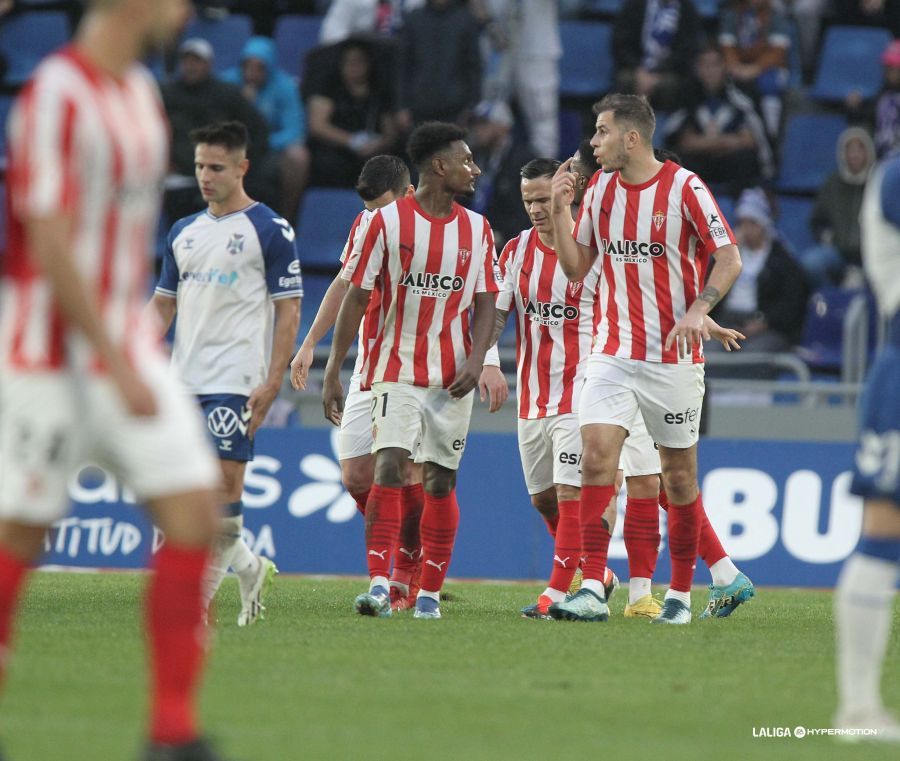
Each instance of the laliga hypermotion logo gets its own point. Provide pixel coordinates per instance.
(326, 491)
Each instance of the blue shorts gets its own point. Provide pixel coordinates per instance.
(876, 472)
(227, 421)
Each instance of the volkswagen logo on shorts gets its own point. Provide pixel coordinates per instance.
(222, 421)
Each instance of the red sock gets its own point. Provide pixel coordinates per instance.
(567, 545)
(641, 535)
(361, 498)
(663, 499)
(177, 635)
(409, 545)
(709, 547)
(12, 573)
(684, 535)
(440, 519)
(552, 524)
(382, 527)
(594, 533)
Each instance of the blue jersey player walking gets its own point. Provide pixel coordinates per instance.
(232, 276)
(864, 602)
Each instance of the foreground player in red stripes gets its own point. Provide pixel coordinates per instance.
(652, 228)
(81, 376)
(432, 260)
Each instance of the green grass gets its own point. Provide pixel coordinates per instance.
(315, 681)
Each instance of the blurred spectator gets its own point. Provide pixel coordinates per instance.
(755, 38)
(835, 216)
(500, 159)
(5, 7)
(718, 133)
(346, 18)
(262, 12)
(887, 106)
(767, 302)
(275, 95)
(884, 13)
(528, 69)
(440, 64)
(350, 118)
(194, 99)
(809, 16)
(654, 46)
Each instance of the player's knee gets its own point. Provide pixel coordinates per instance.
(545, 503)
(438, 481)
(567, 493)
(356, 477)
(680, 485)
(596, 467)
(389, 466)
(643, 487)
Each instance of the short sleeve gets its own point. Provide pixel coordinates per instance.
(169, 274)
(354, 237)
(505, 299)
(488, 275)
(364, 265)
(705, 216)
(44, 156)
(283, 276)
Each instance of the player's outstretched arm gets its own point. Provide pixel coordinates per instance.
(575, 259)
(325, 319)
(728, 337)
(284, 334)
(48, 239)
(345, 329)
(483, 319)
(690, 328)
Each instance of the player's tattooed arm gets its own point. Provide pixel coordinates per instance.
(499, 324)
(711, 296)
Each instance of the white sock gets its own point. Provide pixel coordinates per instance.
(684, 597)
(379, 581)
(242, 560)
(595, 586)
(638, 587)
(220, 558)
(723, 572)
(436, 596)
(863, 605)
(554, 594)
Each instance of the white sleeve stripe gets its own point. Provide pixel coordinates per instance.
(165, 291)
(287, 295)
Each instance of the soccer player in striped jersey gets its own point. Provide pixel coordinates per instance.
(641, 466)
(864, 599)
(432, 261)
(82, 376)
(383, 180)
(231, 276)
(652, 228)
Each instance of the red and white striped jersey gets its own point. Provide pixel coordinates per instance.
(93, 148)
(654, 242)
(554, 325)
(429, 271)
(373, 318)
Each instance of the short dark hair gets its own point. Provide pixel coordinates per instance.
(539, 168)
(664, 154)
(586, 157)
(431, 138)
(230, 135)
(631, 111)
(381, 174)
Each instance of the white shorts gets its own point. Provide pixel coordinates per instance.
(640, 456)
(356, 423)
(550, 449)
(408, 416)
(51, 423)
(669, 397)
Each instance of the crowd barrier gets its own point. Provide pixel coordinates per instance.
(782, 510)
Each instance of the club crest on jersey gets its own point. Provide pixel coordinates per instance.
(575, 288)
(432, 284)
(235, 243)
(658, 218)
(464, 255)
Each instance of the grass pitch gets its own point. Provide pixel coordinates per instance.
(315, 681)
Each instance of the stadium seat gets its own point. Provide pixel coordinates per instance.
(793, 221)
(708, 9)
(227, 36)
(822, 346)
(726, 206)
(850, 61)
(295, 36)
(570, 131)
(586, 68)
(601, 7)
(323, 224)
(808, 151)
(25, 38)
(6, 102)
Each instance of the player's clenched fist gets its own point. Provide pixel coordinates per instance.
(562, 188)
